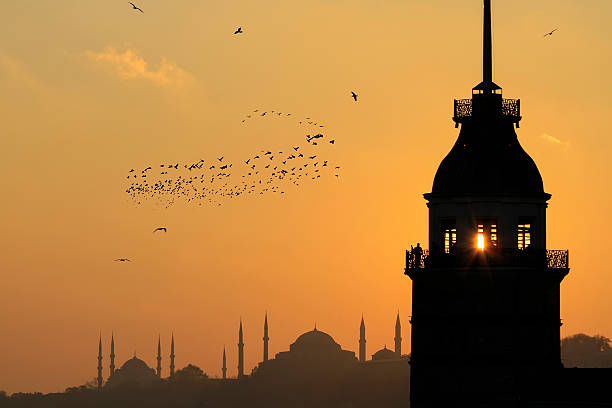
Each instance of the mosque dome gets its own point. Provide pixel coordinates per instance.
(133, 371)
(135, 364)
(487, 159)
(384, 354)
(314, 340)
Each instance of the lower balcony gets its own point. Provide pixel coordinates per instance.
(527, 258)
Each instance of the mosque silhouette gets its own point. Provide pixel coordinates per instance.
(312, 353)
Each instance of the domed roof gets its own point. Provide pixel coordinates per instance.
(133, 371)
(488, 159)
(134, 364)
(384, 354)
(313, 340)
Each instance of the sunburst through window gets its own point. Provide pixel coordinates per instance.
(486, 234)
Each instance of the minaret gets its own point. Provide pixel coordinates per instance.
(112, 355)
(362, 341)
(487, 286)
(159, 357)
(398, 337)
(265, 339)
(240, 352)
(224, 368)
(172, 357)
(100, 379)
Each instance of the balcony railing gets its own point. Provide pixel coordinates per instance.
(550, 259)
(510, 108)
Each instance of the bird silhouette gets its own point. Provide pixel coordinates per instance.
(354, 96)
(220, 158)
(238, 31)
(122, 260)
(136, 8)
(551, 33)
(160, 229)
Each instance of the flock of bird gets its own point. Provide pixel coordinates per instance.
(261, 113)
(214, 180)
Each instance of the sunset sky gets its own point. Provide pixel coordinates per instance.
(89, 90)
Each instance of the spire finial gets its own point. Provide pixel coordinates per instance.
(487, 52)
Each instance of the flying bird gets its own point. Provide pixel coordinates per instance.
(551, 33)
(160, 229)
(123, 260)
(354, 96)
(136, 8)
(238, 31)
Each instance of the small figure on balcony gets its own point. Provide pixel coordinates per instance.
(417, 255)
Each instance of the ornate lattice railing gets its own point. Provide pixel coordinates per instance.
(550, 259)
(414, 260)
(510, 108)
(557, 258)
(463, 108)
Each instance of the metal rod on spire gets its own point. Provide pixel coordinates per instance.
(487, 53)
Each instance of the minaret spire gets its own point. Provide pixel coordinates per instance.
(487, 47)
(265, 339)
(159, 357)
(240, 352)
(224, 368)
(172, 357)
(362, 341)
(100, 379)
(112, 355)
(398, 337)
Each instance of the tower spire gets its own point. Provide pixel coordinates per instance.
(398, 337)
(487, 47)
(112, 355)
(172, 357)
(224, 368)
(100, 379)
(240, 352)
(159, 357)
(362, 341)
(266, 339)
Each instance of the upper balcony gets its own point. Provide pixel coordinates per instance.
(528, 258)
(466, 109)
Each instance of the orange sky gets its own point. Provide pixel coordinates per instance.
(90, 90)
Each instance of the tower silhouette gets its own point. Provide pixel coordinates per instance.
(224, 368)
(99, 380)
(398, 337)
(240, 352)
(172, 357)
(485, 297)
(266, 338)
(112, 355)
(362, 341)
(159, 357)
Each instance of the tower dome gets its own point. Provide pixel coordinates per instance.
(487, 159)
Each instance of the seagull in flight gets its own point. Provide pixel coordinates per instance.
(551, 33)
(238, 31)
(123, 260)
(354, 96)
(136, 8)
(160, 229)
